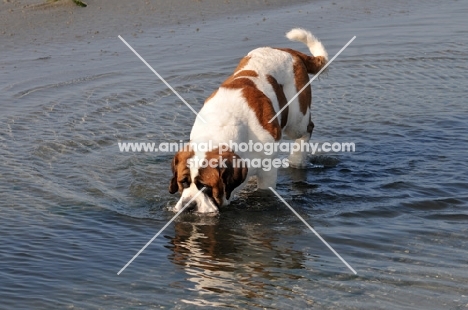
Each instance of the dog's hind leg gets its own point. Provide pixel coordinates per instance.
(300, 148)
(266, 179)
(298, 156)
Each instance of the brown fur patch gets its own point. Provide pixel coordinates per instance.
(258, 102)
(312, 64)
(243, 73)
(242, 63)
(218, 179)
(301, 78)
(180, 170)
(282, 101)
(233, 174)
(316, 64)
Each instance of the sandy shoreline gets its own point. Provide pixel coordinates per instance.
(75, 209)
(41, 21)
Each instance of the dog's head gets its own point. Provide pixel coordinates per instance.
(218, 172)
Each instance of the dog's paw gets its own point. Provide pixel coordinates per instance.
(299, 165)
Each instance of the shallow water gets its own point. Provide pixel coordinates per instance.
(75, 209)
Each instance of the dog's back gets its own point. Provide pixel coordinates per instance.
(268, 78)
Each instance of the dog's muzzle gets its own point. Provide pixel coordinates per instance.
(191, 207)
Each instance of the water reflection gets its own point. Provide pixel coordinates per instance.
(236, 255)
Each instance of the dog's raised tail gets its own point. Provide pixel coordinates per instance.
(306, 37)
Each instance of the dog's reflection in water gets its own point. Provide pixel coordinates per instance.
(234, 256)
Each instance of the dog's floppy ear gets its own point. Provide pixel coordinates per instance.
(234, 173)
(173, 186)
(180, 158)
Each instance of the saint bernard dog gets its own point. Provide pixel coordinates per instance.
(239, 111)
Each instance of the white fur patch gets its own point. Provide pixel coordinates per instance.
(306, 37)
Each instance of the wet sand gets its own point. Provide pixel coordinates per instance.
(37, 22)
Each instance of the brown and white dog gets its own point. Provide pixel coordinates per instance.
(239, 112)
